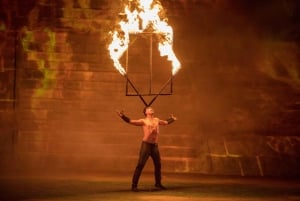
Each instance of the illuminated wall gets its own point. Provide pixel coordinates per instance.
(236, 96)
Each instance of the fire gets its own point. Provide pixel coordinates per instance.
(141, 16)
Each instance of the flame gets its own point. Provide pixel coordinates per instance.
(139, 16)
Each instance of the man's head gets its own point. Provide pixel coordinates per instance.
(148, 110)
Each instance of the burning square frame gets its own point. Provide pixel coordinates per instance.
(168, 84)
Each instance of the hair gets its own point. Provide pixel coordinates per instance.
(144, 110)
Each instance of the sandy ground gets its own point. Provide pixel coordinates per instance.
(180, 187)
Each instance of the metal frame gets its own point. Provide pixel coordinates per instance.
(128, 81)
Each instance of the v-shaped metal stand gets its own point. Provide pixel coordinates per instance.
(155, 95)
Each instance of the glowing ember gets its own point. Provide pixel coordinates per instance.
(141, 16)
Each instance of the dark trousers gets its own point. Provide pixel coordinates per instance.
(148, 149)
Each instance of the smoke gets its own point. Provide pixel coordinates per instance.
(231, 63)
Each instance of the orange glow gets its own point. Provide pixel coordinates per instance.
(143, 16)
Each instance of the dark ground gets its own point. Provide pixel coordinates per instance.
(181, 187)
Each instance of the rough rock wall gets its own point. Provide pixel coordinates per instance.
(236, 96)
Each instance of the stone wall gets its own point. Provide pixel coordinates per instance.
(236, 96)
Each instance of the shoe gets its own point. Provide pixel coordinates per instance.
(134, 189)
(160, 186)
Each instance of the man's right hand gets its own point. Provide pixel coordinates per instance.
(120, 113)
(125, 118)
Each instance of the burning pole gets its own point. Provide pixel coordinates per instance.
(141, 16)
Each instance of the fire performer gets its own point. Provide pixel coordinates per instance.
(149, 146)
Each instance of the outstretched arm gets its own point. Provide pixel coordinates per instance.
(168, 121)
(123, 116)
(139, 122)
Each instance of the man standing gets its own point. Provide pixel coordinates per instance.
(149, 147)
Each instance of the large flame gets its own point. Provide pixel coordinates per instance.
(139, 16)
